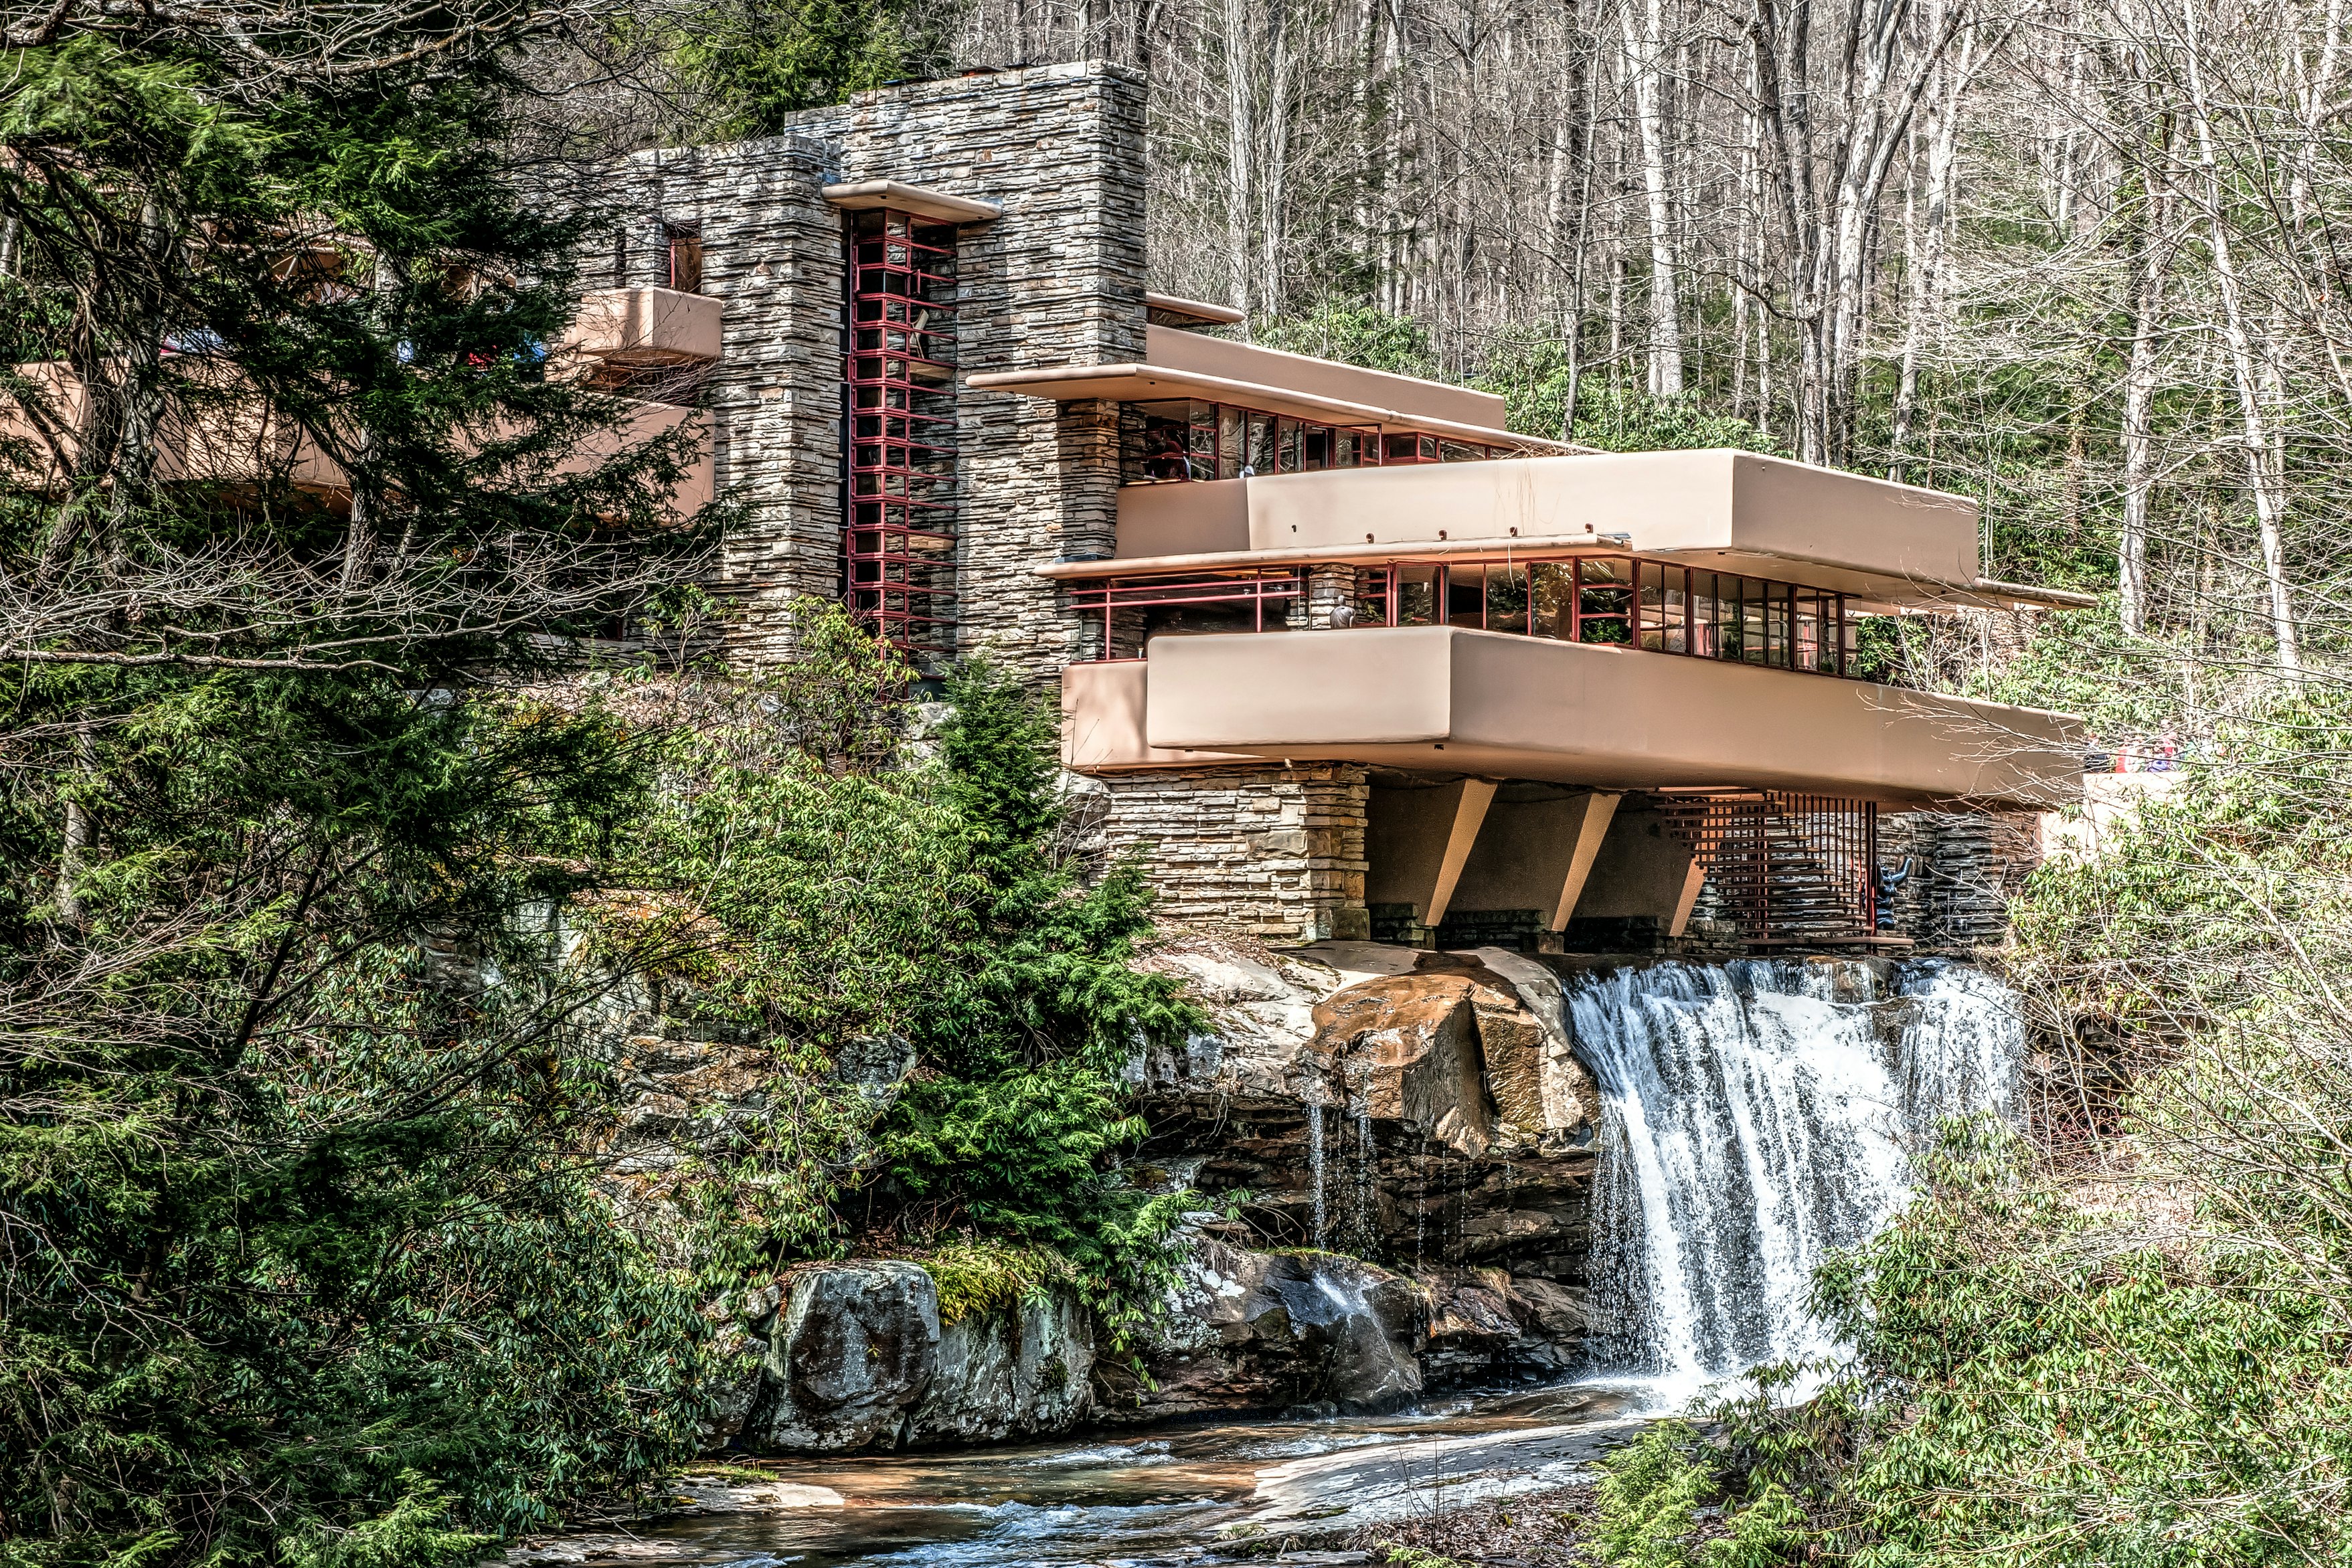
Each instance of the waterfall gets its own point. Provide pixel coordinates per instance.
(1315, 1166)
(1758, 1116)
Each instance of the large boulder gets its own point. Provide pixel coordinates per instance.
(853, 1349)
(1254, 1331)
(1406, 1049)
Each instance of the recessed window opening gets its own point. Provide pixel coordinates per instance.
(683, 243)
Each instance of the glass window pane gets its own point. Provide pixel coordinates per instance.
(1370, 604)
(1259, 457)
(1465, 597)
(1751, 621)
(1507, 598)
(1204, 442)
(1604, 600)
(1416, 595)
(1347, 449)
(1652, 579)
(1317, 448)
(1551, 589)
(1156, 436)
(1229, 442)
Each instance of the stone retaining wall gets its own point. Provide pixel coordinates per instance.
(1274, 853)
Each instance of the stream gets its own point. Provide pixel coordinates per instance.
(1157, 1498)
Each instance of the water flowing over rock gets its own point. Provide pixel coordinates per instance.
(1759, 1116)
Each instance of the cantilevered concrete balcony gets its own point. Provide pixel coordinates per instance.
(1177, 364)
(1720, 510)
(233, 439)
(644, 327)
(1440, 699)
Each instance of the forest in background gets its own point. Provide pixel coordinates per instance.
(270, 1153)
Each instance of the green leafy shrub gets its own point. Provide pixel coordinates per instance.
(1649, 1491)
(820, 885)
(982, 1279)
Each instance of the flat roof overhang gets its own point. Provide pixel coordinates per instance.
(1716, 509)
(1491, 705)
(1191, 312)
(1150, 383)
(863, 196)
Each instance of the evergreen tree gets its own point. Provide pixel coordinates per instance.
(298, 1257)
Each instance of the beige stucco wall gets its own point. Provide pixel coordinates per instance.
(1448, 700)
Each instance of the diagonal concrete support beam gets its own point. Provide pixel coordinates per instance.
(1600, 808)
(1469, 813)
(1420, 839)
(1692, 879)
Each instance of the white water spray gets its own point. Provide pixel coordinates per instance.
(1757, 1117)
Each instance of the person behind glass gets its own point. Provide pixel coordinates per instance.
(1164, 456)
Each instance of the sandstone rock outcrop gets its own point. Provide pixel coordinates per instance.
(1423, 1112)
(1453, 1121)
(854, 1350)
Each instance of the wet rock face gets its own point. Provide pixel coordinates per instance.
(1008, 1374)
(1254, 1331)
(853, 1349)
(1456, 1124)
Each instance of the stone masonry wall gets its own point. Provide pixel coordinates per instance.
(772, 251)
(1274, 853)
(1965, 865)
(1058, 279)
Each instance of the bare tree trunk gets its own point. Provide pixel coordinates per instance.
(1644, 70)
(79, 836)
(1241, 152)
(2261, 478)
(2151, 262)
(1941, 135)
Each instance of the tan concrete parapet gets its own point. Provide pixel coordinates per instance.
(644, 422)
(1721, 509)
(644, 327)
(223, 433)
(1443, 699)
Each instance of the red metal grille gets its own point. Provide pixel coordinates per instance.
(1786, 868)
(899, 542)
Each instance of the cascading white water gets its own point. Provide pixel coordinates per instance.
(1315, 1166)
(1757, 1117)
